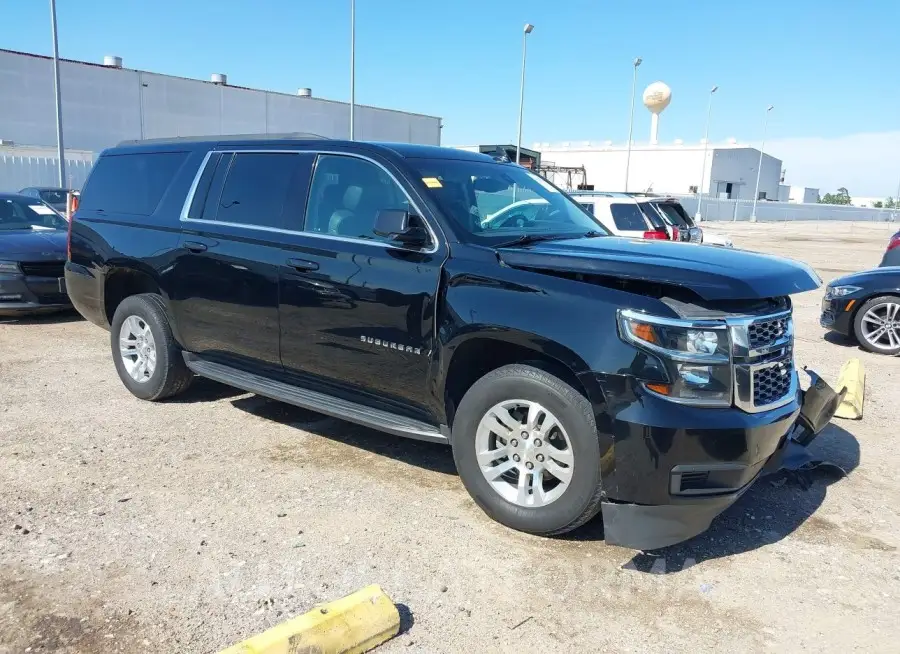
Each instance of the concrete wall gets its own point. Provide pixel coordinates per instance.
(715, 209)
(102, 106)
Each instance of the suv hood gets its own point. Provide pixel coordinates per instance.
(712, 273)
(32, 241)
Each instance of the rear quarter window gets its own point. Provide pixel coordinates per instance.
(130, 183)
(628, 217)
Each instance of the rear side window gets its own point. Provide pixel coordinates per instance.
(628, 217)
(130, 183)
(256, 189)
(588, 206)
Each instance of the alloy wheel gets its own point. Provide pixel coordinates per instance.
(137, 348)
(524, 453)
(881, 326)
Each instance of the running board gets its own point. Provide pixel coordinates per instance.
(314, 401)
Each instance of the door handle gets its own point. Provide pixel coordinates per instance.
(194, 246)
(302, 265)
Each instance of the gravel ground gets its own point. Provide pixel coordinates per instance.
(187, 525)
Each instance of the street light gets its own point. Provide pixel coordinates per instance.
(699, 215)
(352, 68)
(637, 62)
(60, 150)
(525, 32)
(759, 167)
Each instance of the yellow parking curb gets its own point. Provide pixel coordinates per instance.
(354, 624)
(853, 378)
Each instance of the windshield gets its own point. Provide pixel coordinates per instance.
(21, 214)
(53, 197)
(488, 199)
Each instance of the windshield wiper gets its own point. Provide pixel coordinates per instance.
(525, 239)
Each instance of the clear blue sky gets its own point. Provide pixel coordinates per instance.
(830, 68)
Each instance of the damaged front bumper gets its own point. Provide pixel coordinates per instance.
(652, 526)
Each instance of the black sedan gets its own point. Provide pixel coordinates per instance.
(892, 254)
(32, 257)
(866, 306)
(55, 197)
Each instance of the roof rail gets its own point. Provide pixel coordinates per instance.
(228, 137)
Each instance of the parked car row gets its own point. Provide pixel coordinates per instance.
(646, 216)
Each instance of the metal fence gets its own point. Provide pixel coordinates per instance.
(18, 172)
(718, 209)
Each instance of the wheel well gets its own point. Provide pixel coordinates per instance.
(477, 357)
(125, 283)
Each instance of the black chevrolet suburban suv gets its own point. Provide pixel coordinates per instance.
(571, 372)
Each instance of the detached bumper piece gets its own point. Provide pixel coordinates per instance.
(643, 527)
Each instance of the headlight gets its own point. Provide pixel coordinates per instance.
(840, 291)
(695, 355)
(9, 267)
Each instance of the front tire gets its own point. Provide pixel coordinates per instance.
(526, 448)
(147, 358)
(877, 325)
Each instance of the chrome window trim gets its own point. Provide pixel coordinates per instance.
(277, 230)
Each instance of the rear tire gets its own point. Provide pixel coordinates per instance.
(562, 487)
(147, 358)
(882, 312)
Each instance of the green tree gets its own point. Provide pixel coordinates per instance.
(889, 203)
(842, 197)
(878, 204)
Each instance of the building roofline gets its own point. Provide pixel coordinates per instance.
(230, 86)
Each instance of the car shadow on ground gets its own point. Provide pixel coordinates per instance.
(422, 454)
(839, 339)
(56, 318)
(775, 507)
(205, 390)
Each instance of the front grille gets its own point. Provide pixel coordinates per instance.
(766, 332)
(772, 383)
(43, 268)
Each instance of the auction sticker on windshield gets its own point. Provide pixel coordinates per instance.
(432, 182)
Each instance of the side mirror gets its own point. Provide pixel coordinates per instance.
(395, 224)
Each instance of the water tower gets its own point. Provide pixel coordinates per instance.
(656, 97)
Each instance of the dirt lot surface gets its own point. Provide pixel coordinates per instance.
(185, 526)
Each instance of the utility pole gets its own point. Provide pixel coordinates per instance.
(60, 149)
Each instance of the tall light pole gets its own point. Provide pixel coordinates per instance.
(637, 62)
(699, 214)
(60, 150)
(759, 167)
(525, 32)
(352, 69)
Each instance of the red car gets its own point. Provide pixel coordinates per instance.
(892, 254)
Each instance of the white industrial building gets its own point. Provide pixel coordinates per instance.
(103, 104)
(728, 170)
